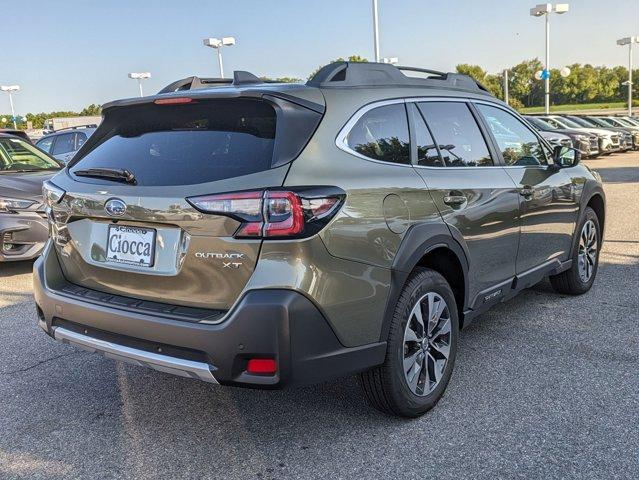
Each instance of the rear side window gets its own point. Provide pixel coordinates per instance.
(45, 144)
(80, 139)
(382, 134)
(64, 144)
(187, 144)
(455, 130)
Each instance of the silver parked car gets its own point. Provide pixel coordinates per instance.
(23, 224)
(63, 144)
(609, 140)
(556, 138)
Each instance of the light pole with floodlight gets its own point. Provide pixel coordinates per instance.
(139, 76)
(538, 11)
(376, 31)
(623, 42)
(10, 89)
(217, 44)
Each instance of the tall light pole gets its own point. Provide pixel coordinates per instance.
(376, 30)
(217, 44)
(10, 89)
(506, 96)
(538, 11)
(139, 77)
(622, 42)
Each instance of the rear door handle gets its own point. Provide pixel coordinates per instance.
(526, 191)
(454, 200)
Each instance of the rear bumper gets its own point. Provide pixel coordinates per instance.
(164, 363)
(279, 324)
(22, 236)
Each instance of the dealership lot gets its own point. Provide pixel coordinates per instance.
(545, 386)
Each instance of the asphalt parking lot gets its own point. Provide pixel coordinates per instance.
(545, 386)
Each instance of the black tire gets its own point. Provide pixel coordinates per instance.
(386, 387)
(571, 282)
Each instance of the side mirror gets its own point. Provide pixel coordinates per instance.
(565, 157)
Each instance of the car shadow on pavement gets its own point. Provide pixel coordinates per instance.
(136, 421)
(10, 269)
(617, 174)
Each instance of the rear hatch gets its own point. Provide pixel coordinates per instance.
(130, 223)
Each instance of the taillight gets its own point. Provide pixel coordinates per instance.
(284, 215)
(274, 213)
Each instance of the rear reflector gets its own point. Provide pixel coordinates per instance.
(173, 101)
(262, 366)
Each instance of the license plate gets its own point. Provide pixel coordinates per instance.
(131, 245)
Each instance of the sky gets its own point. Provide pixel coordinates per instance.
(67, 54)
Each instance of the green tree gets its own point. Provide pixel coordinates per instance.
(516, 104)
(91, 110)
(621, 76)
(522, 85)
(492, 82)
(39, 118)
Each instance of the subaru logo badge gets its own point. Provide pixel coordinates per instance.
(115, 207)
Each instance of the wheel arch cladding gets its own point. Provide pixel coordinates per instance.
(596, 202)
(592, 196)
(445, 261)
(430, 246)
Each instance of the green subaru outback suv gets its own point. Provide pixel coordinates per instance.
(264, 235)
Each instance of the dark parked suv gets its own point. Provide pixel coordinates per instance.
(265, 235)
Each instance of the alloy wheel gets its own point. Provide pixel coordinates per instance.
(427, 338)
(587, 254)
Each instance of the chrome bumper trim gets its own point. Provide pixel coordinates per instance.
(156, 361)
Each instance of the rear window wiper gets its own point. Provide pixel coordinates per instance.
(115, 174)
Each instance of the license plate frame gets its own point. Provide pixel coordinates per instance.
(131, 233)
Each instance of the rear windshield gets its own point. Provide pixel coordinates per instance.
(186, 144)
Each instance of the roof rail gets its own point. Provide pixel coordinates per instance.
(193, 83)
(75, 127)
(240, 77)
(370, 74)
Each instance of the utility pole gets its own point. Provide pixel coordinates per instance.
(218, 44)
(376, 31)
(506, 86)
(545, 9)
(622, 42)
(10, 89)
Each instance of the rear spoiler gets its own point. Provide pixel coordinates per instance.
(244, 84)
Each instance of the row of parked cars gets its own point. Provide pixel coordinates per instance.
(592, 135)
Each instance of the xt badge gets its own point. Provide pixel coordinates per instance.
(229, 260)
